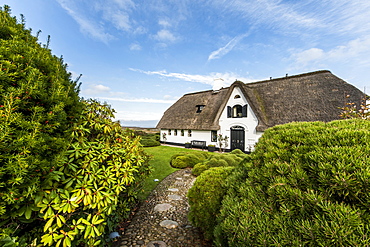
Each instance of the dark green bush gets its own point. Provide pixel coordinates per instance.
(148, 142)
(305, 184)
(39, 104)
(68, 173)
(205, 198)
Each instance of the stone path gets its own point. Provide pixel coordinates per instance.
(162, 221)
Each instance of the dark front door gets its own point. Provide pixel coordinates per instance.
(237, 137)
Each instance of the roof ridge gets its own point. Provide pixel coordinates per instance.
(291, 76)
(206, 91)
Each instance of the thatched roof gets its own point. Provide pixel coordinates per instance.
(315, 96)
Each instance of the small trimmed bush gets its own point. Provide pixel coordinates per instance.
(205, 198)
(149, 142)
(184, 160)
(199, 169)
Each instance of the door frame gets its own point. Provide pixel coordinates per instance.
(237, 137)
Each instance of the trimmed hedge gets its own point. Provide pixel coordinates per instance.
(305, 184)
(205, 160)
(205, 198)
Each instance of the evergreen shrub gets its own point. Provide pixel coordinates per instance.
(199, 169)
(205, 198)
(184, 160)
(305, 184)
(149, 142)
(68, 173)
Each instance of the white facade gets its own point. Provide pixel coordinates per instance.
(249, 123)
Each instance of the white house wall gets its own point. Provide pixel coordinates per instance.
(249, 123)
(198, 135)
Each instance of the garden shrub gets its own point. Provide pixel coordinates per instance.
(68, 172)
(98, 183)
(205, 198)
(184, 160)
(216, 161)
(305, 184)
(39, 104)
(148, 139)
(199, 168)
(149, 142)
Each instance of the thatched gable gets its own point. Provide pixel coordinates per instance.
(315, 96)
(183, 114)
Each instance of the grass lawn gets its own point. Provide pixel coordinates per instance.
(160, 162)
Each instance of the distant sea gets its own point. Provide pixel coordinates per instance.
(141, 124)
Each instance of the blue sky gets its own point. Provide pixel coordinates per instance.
(141, 56)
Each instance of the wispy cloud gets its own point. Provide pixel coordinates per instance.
(135, 47)
(109, 12)
(211, 79)
(139, 100)
(350, 51)
(95, 89)
(87, 25)
(227, 48)
(165, 35)
(272, 13)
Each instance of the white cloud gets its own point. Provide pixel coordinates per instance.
(95, 89)
(164, 23)
(165, 35)
(351, 51)
(211, 79)
(227, 48)
(137, 115)
(135, 47)
(273, 13)
(139, 100)
(87, 26)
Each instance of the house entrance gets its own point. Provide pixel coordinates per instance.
(237, 137)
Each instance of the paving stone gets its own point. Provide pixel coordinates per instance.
(173, 189)
(169, 224)
(157, 244)
(145, 225)
(162, 207)
(174, 197)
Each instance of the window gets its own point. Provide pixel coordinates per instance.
(189, 133)
(182, 132)
(200, 108)
(169, 132)
(237, 96)
(175, 132)
(237, 111)
(213, 135)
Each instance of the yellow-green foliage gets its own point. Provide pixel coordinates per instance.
(103, 168)
(306, 184)
(205, 198)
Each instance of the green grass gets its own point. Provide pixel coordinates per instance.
(160, 162)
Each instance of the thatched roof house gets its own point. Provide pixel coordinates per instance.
(315, 96)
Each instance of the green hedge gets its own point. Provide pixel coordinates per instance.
(205, 198)
(306, 184)
(205, 160)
